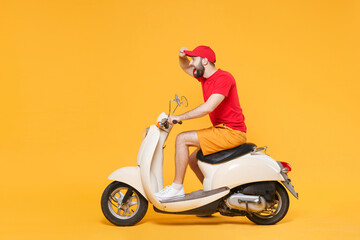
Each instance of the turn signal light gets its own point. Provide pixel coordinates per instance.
(286, 166)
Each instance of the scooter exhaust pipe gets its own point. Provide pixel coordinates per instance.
(250, 203)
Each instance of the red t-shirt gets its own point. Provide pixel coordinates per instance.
(229, 111)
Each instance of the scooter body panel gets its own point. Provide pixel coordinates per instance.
(239, 171)
(148, 145)
(130, 176)
(145, 157)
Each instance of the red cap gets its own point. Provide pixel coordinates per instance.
(202, 51)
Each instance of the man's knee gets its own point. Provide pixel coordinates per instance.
(188, 139)
(180, 138)
(184, 137)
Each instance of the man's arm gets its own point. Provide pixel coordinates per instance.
(184, 62)
(210, 105)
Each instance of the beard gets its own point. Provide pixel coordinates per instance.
(199, 70)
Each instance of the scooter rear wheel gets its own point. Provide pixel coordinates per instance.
(123, 214)
(276, 212)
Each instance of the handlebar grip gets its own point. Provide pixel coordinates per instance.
(176, 122)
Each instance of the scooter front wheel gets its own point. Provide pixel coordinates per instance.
(122, 212)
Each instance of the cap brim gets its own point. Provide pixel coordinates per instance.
(189, 53)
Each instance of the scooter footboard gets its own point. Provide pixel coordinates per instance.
(191, 201)
(130, 176)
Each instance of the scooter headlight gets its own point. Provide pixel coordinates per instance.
(144, 133)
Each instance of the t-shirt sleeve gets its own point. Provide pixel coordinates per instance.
(222, 86)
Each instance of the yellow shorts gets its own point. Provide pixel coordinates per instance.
(219, 137)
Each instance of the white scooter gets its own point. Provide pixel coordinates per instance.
(241, 181)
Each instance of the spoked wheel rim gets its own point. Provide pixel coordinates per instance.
(273, 210)
(126, 210)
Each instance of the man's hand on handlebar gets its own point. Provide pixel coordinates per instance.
(173, 119)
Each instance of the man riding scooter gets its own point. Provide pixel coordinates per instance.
(222, 105)
(238, 179)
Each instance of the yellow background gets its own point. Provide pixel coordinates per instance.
(80, 80)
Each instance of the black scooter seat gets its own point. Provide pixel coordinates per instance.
(226, 155)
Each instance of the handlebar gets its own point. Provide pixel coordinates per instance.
(165, 123)
(177, 122)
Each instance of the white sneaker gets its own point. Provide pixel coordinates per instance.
(170, 192)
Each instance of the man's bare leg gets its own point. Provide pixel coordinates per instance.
(183, 142)
(193, 162)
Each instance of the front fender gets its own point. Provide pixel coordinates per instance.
(130, 176)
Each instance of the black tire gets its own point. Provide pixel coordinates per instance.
(283, 203)
(126, 214)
